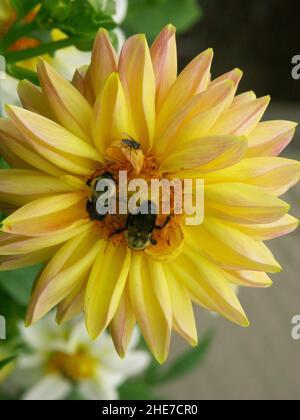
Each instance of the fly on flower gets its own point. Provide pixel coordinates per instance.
(188, 126)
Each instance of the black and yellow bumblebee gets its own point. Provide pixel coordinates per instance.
(140, 227)
(92, 201)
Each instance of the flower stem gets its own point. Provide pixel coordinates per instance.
(21, 73)
(48, 48)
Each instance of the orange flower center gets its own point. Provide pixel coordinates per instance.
(158, 234)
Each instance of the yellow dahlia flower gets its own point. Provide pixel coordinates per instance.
(186, 126)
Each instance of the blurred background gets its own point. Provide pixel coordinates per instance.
(262, 362)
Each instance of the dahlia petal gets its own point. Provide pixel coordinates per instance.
(164, 59)
(193, 79)
(235, 76)
(111, 118)
(33, 99)
(211, 281)
(104, 61)
(147, 309)
(11, 158)
(102, 297)
(244, 98)
(194, 120)
(19, 186)
(181, 270)
(206, 154)
(40, 129)
(254, 279)
(243, 203)
(122, 324)
(73, 304)
(161, 289)
(183, 314)
(88, 87)
(63, 273)
(241, 119)
(17, 244)
(65, 161)
(21, 155)
(275, 175)
(46, 215)
(270, 138)
(70, 108)
(265, 232)
(137, 77)
(229, 248)
(75, 183)
(78, 79)
(20, 261)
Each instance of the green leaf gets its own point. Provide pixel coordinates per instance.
(18, 283)
(107, 6)
(181, 366)
(13, 312)
(188, 361)
(21, 73)
(7, 361)
(181, 13)
(74, 17)
(3, 163)
(23, 7)
(136, 391)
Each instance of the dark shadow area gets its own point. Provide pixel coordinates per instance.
(258, 36)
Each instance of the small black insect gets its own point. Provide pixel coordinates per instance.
(140, 227)
(131, 143)
(92, 201)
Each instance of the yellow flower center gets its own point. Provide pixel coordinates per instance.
(76, 367)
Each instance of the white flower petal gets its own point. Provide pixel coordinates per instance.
(134, 362)
(67, 60)
(8, 93)
(121, 10)
(95, 391)
(31, 361)
(51, 387)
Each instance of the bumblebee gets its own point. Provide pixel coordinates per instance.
(92, 201)
(139, 227)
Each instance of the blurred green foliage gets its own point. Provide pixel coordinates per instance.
(150, 16)
(146, 387)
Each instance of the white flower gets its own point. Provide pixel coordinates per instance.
(62, 356)
(121, 10)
